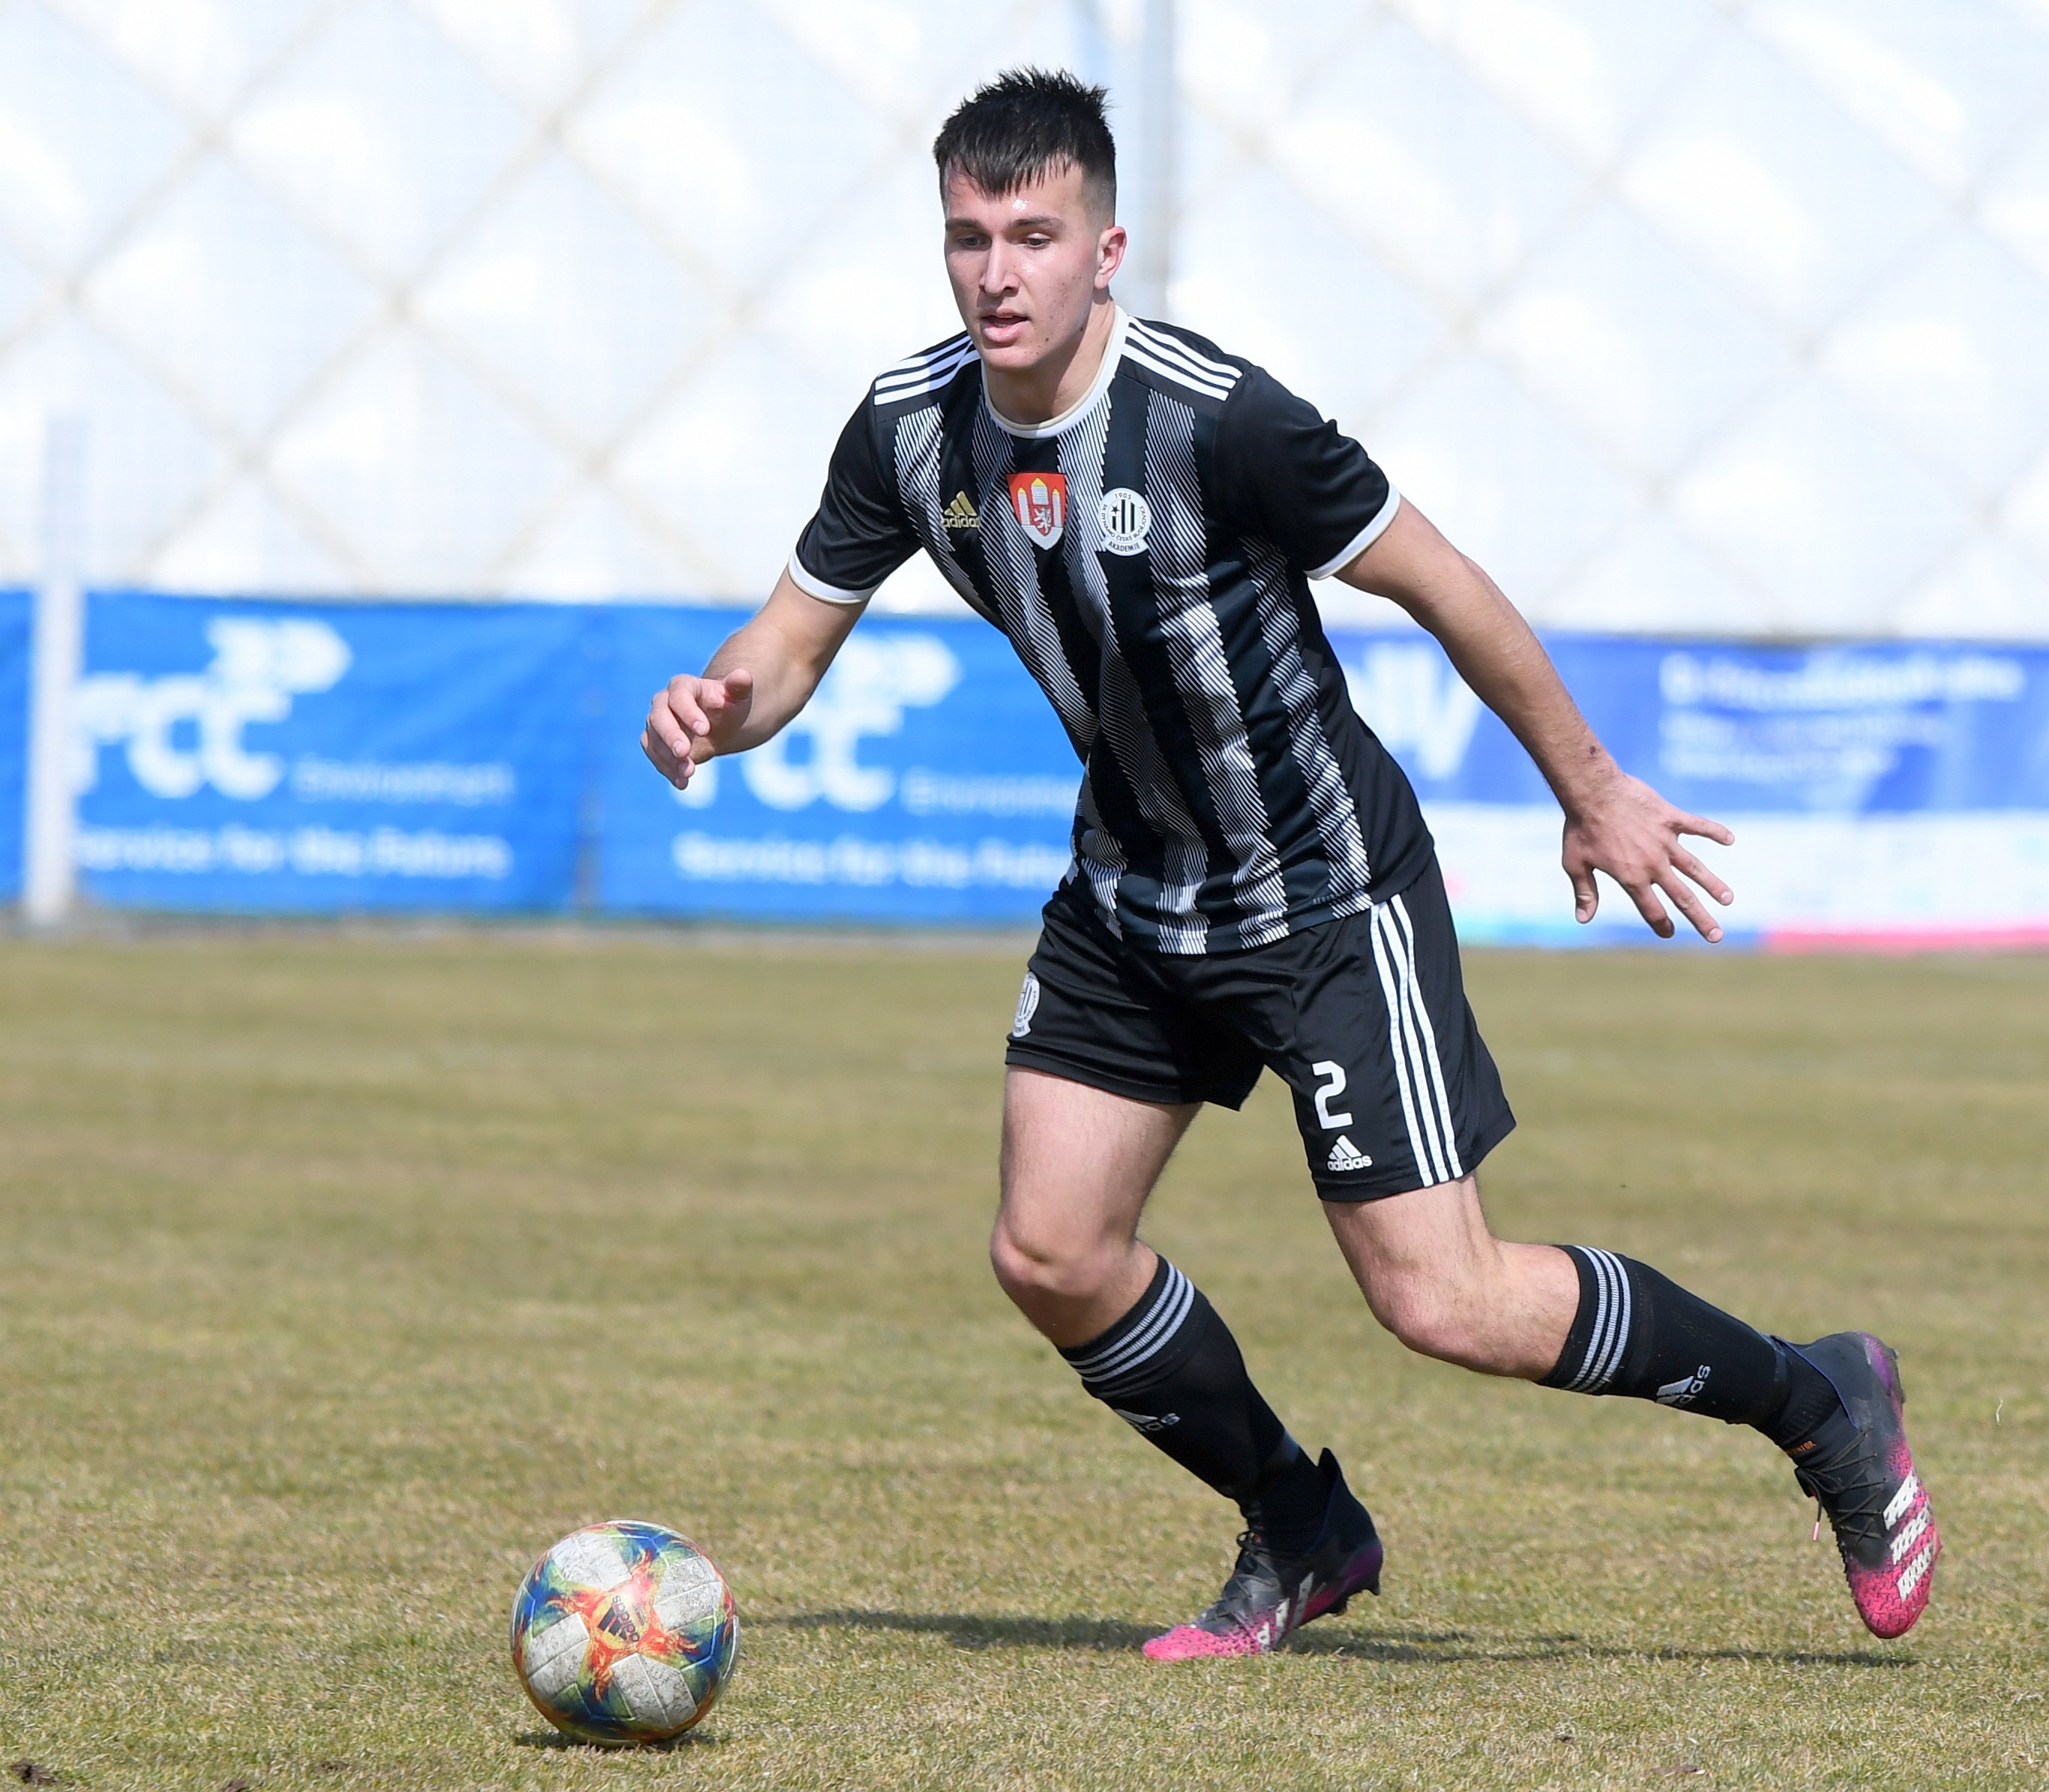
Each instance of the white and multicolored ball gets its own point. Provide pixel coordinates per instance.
(624, 1632)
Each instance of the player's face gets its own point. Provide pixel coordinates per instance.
(1026, 266)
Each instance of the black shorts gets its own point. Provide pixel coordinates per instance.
(1365, 1018)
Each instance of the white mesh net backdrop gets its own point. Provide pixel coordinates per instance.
(1678, 315)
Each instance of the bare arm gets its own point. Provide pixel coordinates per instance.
(763, 675)
(1614, 822)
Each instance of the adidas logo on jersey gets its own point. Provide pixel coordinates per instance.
(961, 513)
(1346, 1156)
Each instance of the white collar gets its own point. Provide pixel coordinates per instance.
(1113, 353)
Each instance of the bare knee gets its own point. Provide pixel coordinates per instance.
(1437, 1277)
(1433, 1318)
(1036, 1265)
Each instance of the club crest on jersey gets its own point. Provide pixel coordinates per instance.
(1040, 501)
(1124, 517)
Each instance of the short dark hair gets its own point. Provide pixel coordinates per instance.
(1028, 123)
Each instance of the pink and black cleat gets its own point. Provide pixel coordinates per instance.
(1862, 1474)
(1271, 1596)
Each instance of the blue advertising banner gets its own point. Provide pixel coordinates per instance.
(241, 755)
(1872, 729)
(927, 780)
(17, 616)
(1878, 791)
(269, 755)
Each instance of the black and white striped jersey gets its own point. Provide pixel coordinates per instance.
(1148, 554)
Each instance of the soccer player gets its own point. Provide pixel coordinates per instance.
(1253, 886)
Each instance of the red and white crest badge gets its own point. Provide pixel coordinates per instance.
(1040, 501)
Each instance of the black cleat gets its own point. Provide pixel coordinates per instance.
(1862, 1474)
(1269, 1596)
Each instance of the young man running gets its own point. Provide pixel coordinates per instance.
(1252, 885)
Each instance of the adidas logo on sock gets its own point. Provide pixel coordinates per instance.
(1346, 1156)
(1147, 1421)
(1681, 1393)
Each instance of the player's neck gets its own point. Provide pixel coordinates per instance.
(1038, 394)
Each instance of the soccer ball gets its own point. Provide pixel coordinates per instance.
(624, 1632)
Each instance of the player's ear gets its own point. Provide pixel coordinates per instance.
(1109, 254)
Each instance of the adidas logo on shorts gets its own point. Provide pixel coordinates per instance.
(1346, 1156)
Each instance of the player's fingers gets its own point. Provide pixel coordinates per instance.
(680, 700)
(1645, 896)
(659, 756)
(1690, 905)
(1685, 861)
(1586, 894)
(720, 700)
(739, 685)
(1706, 829)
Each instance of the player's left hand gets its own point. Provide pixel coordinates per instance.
(1628, 831)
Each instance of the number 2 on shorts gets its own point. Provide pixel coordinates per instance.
(1333, 1085)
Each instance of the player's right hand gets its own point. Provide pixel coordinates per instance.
(692, 720)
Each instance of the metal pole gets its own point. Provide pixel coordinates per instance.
(1152, 242)
(50, 873)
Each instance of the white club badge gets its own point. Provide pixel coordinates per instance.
(1028, 1006)
(1124, 517)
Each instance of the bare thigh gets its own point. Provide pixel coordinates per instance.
(1079, 1164)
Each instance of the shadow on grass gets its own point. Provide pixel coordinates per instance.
(985, 1630)
(554, 1739)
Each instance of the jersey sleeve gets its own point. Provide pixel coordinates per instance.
(1285, 472)
(859, 534)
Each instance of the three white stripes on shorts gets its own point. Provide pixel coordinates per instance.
(1611, 1332)
(1120, 1366)
(1412, 1044)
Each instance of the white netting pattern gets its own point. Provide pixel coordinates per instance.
(1681, 315)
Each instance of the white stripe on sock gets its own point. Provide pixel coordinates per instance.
(1610, 1359)
(1151, 1338)
(1603, 1304)
(1145, 1330)
(1176, 1296)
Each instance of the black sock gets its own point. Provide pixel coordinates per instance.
(1639, 1334)
(1811, 1402)
(1171, 1370)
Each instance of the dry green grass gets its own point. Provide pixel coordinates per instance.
(339, 1275)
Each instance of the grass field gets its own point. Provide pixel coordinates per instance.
(341, 1273)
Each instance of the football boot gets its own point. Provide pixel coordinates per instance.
(1271, 1595)
(1861, 1473)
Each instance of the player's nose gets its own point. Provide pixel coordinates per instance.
(999, 271)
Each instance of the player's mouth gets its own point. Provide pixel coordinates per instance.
(1001, 328)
